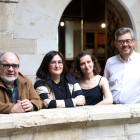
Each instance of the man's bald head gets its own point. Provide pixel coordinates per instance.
(8, 54)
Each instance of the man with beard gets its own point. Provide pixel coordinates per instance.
(17, 94)
(123, 70)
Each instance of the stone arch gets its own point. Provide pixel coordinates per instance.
(129, 11)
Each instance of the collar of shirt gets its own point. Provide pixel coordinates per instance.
(15, 84)
(131, 58)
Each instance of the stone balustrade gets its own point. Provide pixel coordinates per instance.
(102, 122)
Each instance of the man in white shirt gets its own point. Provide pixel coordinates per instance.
(123, 70)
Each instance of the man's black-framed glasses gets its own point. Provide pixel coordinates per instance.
(7, 66)
(128, 41)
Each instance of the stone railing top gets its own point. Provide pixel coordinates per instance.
(83, 116)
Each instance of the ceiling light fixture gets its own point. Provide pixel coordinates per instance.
(103, 25)
(61, 23)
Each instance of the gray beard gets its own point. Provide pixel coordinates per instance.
(8, 80)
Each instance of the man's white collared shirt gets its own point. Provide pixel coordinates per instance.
(124, 78)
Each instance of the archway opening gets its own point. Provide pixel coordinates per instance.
(82, 29)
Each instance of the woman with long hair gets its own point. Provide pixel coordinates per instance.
(86, 69)
(54, 85)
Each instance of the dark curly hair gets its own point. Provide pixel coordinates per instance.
(76, 65)
(43, 70)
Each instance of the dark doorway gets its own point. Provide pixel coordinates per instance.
(86, 17)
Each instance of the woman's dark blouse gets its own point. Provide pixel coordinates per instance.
(61, 90)
(93, 95)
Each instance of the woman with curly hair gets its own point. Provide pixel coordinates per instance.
(86, 69)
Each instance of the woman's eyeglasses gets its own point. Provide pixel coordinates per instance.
(54, 63)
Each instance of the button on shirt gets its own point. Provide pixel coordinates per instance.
(124, 78)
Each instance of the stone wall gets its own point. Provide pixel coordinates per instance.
(7, 41)
(102, 122)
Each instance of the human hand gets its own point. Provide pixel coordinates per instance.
(26, 105)
(80, 100)
(17, 108)
(50, 97)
